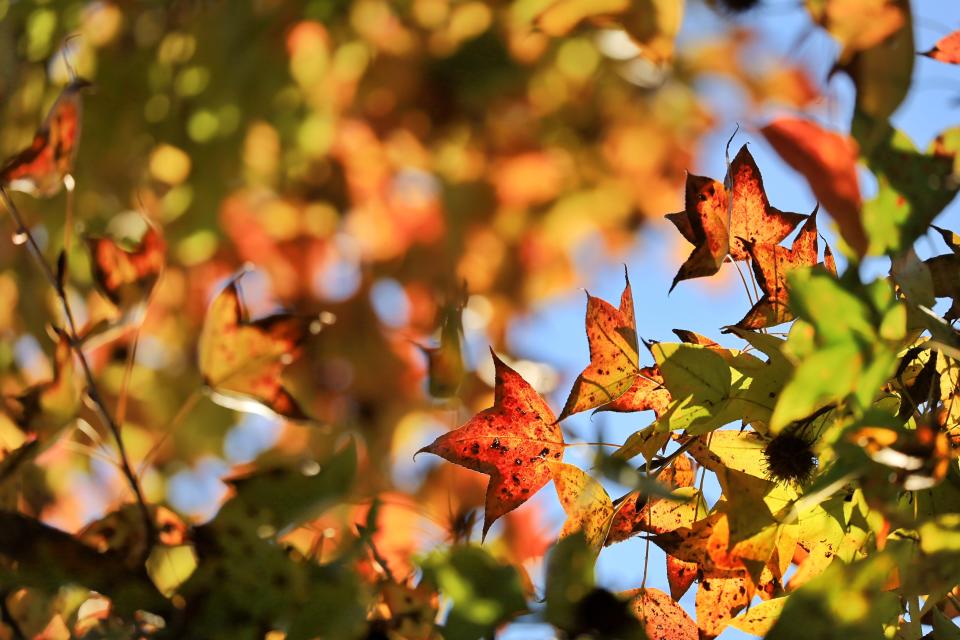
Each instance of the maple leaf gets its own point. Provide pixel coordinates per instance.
(703, 222)
(771, 264)
(752, 218)
(514, 442)
(946, 50)
(647, 393)
(127, 277)
(242, 359)
(718, 223)
(662, 617)
(40, 168)
(828, 160)
(614, 380)
(721, 596)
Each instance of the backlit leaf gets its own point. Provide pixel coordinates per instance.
(614, 361)
(245, 358)
(39, 169)
(662, 617)
(586, 503)
(515, 442)
(828, 160)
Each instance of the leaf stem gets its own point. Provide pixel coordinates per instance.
(92, 390)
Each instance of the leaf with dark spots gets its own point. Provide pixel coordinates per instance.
(771, 264)
(534, 437)
(752, 218)
(721, 596)
(614, 360)
(586, 503)
(662, 617)
(646, 394)
(703, 222)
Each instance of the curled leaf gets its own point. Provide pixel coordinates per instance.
(39, 169)
(127, 277)
(828, 160)
(244, 359)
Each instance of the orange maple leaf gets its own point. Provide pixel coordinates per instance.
(243, 360)
(39, 169)
(718, 223)
(771, 264)
(661, 615)
(752, 218)
(614, 374)
(514, 442)
(828, 160)
(946, 50)
(703, 222)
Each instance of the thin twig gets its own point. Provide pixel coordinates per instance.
(75, 344)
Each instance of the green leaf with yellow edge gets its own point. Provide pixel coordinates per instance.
(760, 618)
(711, 390)
(588, 506)
(484, 592)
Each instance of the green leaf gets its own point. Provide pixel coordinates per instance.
(710, 391)
(485, 592)
(914, 188)
(856, 334)
(846, 602)
(690, 370)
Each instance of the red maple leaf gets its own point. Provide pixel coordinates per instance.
(127, 276)
(514, 442)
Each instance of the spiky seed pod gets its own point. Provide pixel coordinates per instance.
(790, 459)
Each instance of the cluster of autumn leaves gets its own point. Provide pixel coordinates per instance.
(741, 548)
